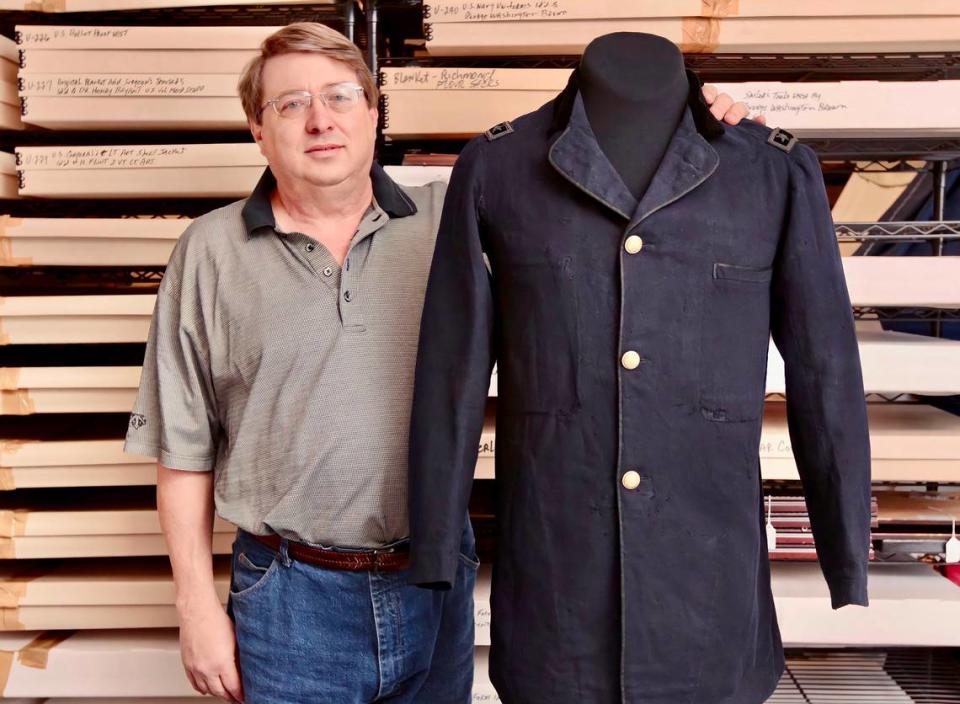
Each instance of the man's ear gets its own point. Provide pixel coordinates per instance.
(256, 129)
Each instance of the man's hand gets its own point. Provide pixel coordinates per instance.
(208, 647)
(723, 107)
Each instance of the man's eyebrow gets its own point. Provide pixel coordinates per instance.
(325, 85)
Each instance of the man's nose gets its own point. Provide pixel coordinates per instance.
(318, 118)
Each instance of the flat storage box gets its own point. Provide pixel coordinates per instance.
(444, 11)
(763, 35)
(909, 605)
(95, 594)
(147, 171)
(85, 664)
(81, 667)
(908, 443)
(120, 62)
(88, 241)
(141, 171)
(868, 195)
(930, 282)
(9, 183)
(116, 525)
(892, 363)
(116, 78)
(31, 464)
(54, 6)
(31, 320)
(461, 102)
(28, 390)
(154, 113)
(141, 37)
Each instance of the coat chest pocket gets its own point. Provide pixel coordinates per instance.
(539, 357)
(735, 338)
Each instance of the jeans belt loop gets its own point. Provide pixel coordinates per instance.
(285, 552)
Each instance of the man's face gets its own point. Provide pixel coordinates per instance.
(321, 146)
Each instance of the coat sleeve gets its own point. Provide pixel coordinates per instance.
(452, 380)
(813, 327)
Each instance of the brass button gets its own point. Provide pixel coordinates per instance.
(630, 360)
(633, 244)
(631, 480)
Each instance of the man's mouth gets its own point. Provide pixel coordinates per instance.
(324, 148)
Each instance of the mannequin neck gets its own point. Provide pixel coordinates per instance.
(634, 89)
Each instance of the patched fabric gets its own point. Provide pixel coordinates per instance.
(782, 139)
(499, 130)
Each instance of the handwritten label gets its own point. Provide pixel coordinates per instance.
(100, 157)
(121, 85)
(487, 447)
(776, 448)
(792, 102)
(443, 79)
(48, 35)
(481, 616)
(498, 10)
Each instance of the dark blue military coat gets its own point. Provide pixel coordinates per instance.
(631, 341)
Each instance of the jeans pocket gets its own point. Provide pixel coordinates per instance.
(249, 577)
(472, 562)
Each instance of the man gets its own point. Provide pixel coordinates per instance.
(277, 386)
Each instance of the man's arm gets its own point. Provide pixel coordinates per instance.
(207, 641)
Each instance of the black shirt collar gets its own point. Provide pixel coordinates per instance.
(258, 213)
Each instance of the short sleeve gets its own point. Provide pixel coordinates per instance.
(174, 417)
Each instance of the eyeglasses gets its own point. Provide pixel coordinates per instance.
(340, 97)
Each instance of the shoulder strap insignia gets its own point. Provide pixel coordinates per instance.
(782, 139)
(498, 131)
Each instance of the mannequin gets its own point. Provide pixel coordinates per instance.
(634, 89)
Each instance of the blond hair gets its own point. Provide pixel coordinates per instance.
(303, 37)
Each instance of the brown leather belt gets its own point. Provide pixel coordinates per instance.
(386, 560)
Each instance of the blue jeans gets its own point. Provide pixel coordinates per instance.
(320, 636)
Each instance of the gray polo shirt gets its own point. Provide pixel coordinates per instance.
(290, 378)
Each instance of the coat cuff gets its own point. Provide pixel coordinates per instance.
(848, 591)
(433, 569)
